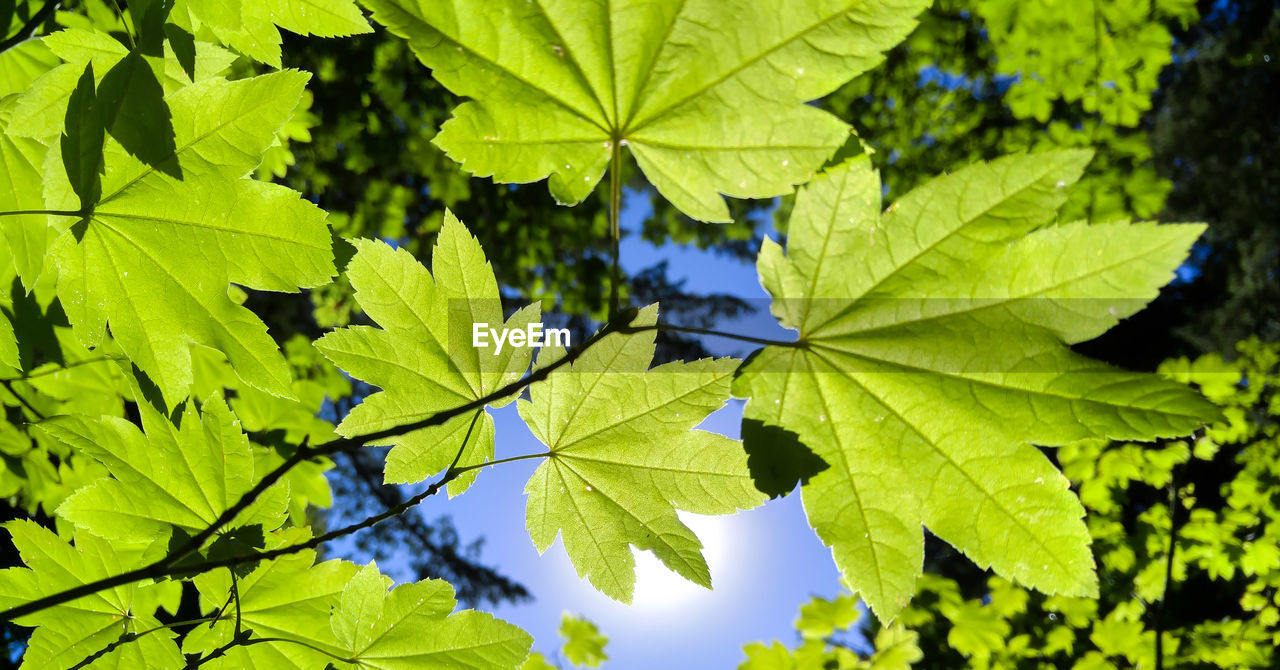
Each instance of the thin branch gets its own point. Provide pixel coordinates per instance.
(387, 497)
(217, 653)
(1168, 569)
(128, 32)
(68, 366)
(452, 471)
(326, 652)
(486, 464)
(241, 637)
(235, 595)
(165, 567)
(25, 403)
(304, 453)
(264, 640)
(794, 344)
(449, 475)
(217, 616)
(29, 28)
(128, 637)
(477, 581)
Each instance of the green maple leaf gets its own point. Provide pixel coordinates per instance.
(40, 110)
(412, 628)
(557, 88)
(537, 661)
(321, 18)
(623, 457)
(583, 643)
(819, 617)
(8, 344)
(182, 477)
(67, 633)
(23, 64)
(250, 27)
(155, 256)
(289, 597)
(932, 356)
(422, 356)
(897, 648)
(319, 614)
(27, 236)
(83, 382)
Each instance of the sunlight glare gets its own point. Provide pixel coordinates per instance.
(660, 589)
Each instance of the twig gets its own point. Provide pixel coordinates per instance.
(217, 616)
(500, 461)
(244, 641)
(68, 366)
(29, 28)
(485, 583)
(241, 637)
(25, 403)
(344, 444)
(217, 653)
(1168, 569)
(449, 475)
(128, 637)
(795, 344)
(165, 567)
(235, 595)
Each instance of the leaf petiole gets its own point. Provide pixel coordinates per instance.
(50, 212)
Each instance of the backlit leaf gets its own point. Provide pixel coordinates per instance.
(181, 477)
(624, 456)
(583, 643)
(933, 356)
(156, 255)
(67, 633)
(422, 356)
(556, 88)
(413, 627)
(27, 236)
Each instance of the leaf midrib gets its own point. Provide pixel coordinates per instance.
(178, 151)
(207, 309)
(506, 71)
(826, 242)
(1017, 519)
(731, 72)
(1002, 300)
(576, 68)
(817, 347)
(582, 519)
(603, 491)
(853, 486)
(173, 221)
(964, 225)
(651, 410)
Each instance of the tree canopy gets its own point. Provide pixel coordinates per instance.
(246, 243)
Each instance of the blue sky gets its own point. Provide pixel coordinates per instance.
(764, 563)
